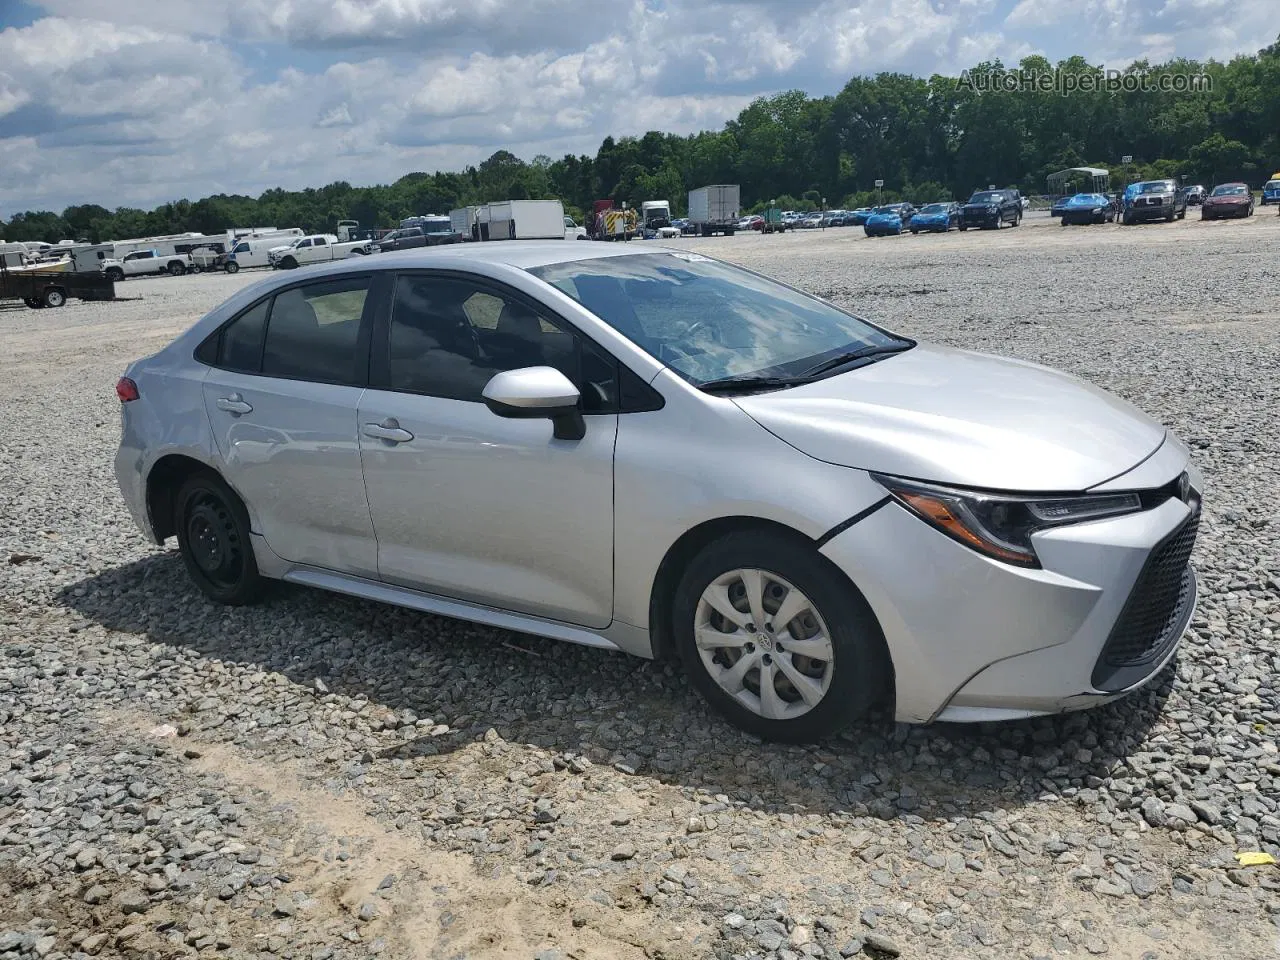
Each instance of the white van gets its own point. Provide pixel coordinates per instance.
(253, 253)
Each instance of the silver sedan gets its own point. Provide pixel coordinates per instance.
(651, 451)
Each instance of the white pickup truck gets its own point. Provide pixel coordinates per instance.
(313, 249)
(143, 262)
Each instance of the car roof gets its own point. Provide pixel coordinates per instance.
(522, 254)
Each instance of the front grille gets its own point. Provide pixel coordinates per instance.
(1156, 608)
(1149, 201)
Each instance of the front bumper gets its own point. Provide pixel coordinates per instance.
(1150, 212)
(1083, 216)
(980, 219)
(974, 639)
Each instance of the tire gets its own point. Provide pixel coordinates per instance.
(177, 269)
(1017, 219)
(54, 297)
(115, 274)
(232, 267)
(1183, 214)
(213, 537)
(914, 230)
(963, 228)
(1169, 218)
(32, 302)
(849, 682)
(728, 231)
(1128, 220)
(288, 263)
(196, 268)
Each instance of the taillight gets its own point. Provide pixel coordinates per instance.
(126, 390)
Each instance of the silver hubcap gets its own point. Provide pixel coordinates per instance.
(764, 643)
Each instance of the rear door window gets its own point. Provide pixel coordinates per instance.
(313, 332)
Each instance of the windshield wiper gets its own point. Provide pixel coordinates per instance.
(744, 382)
(851, 357)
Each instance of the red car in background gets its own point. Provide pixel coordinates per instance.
(1228, 200)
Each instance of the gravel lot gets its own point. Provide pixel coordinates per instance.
(323, 777)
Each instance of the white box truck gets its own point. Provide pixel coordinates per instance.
(465, 221)
(526, 220)
(714, 209)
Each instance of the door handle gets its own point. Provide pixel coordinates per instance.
(234, 404)
(389, 430)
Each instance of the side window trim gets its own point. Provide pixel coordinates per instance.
(377, 304)
(648, 398)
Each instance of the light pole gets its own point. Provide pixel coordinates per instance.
(879, 193)
(823, 222)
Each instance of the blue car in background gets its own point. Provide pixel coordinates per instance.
(1271, 192)
(935, 218)
(858, 218)
(888, 220)
(1088, 208)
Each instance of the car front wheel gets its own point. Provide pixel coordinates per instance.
(775, 638)
(213, 537)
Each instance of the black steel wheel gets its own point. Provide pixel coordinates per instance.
(213, 537)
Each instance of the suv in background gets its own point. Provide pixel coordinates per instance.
(1153, 200)
(990, 208)
(1271, 192)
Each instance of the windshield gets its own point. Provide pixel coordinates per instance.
(710, 320)
(1273, 184)
(986, 196)
(934, 208)
(441, 225)
(1155, 186)
(1088, 198)
(1230, 190)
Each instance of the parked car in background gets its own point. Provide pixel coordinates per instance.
(811, 220)
(316, 248)
(859, 216)
(988, 209)
(1058, 206)
(751, 222)
(1195, 195)
(1088, 208)
(486, 433)
(888, 220)
(1271, 192)
(1153, 200)
(1227, 200)
(143, 263)
(431, 232)
(935, 218)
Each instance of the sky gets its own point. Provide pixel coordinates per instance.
(138, 102)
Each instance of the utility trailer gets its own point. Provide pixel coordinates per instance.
(48, 287)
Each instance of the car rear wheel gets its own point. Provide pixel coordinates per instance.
(115, 274)
(213, 537)
(232, 267)
(776, 639)
(176, 269)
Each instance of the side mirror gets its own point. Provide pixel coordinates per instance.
(537, 393)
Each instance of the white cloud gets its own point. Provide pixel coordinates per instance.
(141, 101)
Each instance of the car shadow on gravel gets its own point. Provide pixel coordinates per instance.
(574, 701)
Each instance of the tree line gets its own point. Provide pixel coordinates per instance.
(927, 139)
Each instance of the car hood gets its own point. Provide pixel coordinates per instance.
(885, 216)
(951, 416)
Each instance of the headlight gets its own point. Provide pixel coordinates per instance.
(1097, 209)
(1000, 525)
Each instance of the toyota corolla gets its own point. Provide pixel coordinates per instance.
(647, 450)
